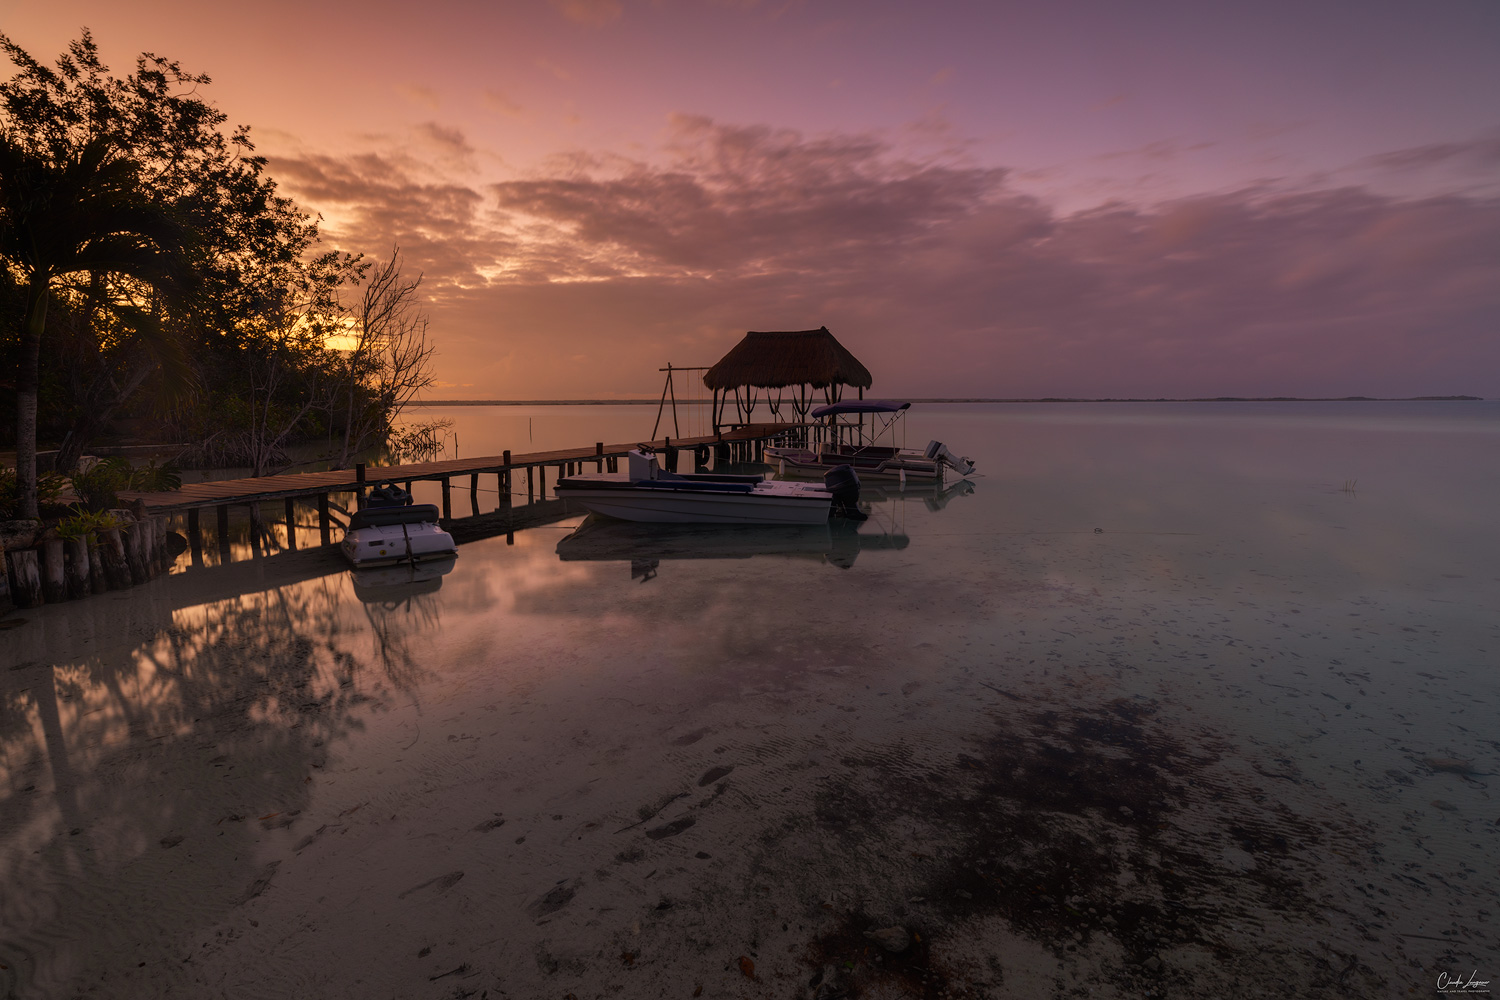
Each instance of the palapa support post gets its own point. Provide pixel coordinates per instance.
(291, 524)
(323, 519)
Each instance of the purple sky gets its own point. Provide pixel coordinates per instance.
(1072, 199)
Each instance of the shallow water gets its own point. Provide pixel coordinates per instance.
(1190, 698)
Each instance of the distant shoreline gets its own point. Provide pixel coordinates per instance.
(976, 399)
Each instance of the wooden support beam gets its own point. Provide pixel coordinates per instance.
(447, 500)
(291, 523)
(599, 450)
(474, 494)
(222, 514)
(323, 524)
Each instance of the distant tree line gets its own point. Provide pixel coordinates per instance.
(150, 274)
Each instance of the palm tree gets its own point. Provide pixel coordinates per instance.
(82, 210)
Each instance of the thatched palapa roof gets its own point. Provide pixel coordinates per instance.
(777, 360)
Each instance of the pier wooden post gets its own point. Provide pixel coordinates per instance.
(77, 568)
(541, 483)
(323, 525)
(195, 540)
(54, 581)
(530, 483)
(256, 529)
(222, 514)
(25, 579)
(359, 491)
(599, 450)
(447, 500)
(291, 524)
(474, 494)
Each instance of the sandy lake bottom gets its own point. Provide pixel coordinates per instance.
(1176, 701)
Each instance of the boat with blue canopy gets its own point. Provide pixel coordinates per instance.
(874, 453)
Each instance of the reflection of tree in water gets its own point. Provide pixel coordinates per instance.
(169, 761)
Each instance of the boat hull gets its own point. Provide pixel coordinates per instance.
(388, 544)
(764, 503)
(904, 467)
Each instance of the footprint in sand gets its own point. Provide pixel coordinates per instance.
(672, 829)
(713, 774)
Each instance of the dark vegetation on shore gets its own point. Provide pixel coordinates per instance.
(155, 286)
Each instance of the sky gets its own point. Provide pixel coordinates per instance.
(1014, 200)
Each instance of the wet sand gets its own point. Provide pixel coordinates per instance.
(1187, 755)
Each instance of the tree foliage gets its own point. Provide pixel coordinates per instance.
(148, 250)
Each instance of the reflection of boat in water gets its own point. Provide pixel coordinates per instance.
(935, 497)
(876, 459)
(395, 583)
(391, 529)
(652, 495)
(645, 546)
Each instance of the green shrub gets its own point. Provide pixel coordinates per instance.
(48, 488)
(99, 487)
(82, 523)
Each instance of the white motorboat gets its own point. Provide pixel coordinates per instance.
(391, 529)
(647, 493)
(868, 455)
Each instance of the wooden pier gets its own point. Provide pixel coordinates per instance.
(314, 488)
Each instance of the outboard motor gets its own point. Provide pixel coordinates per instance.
(642, 465)
(936, 451)
(843, 482)
(388, 494)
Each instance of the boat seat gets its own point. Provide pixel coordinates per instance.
(376, 517)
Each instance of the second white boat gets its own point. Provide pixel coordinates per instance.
(647, 493)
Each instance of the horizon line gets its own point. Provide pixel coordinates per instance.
(978, 399)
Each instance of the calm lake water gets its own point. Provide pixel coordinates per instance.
(1170, 699)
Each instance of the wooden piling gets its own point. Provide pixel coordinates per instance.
(599, 450)
(135, 561)
(221, 514)
(291, 524)
(111, 552)
(447, 501)
(98, 583)
(474, 494)
(25, 578)
(77, 567)
(54, 577)
(323, 525)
